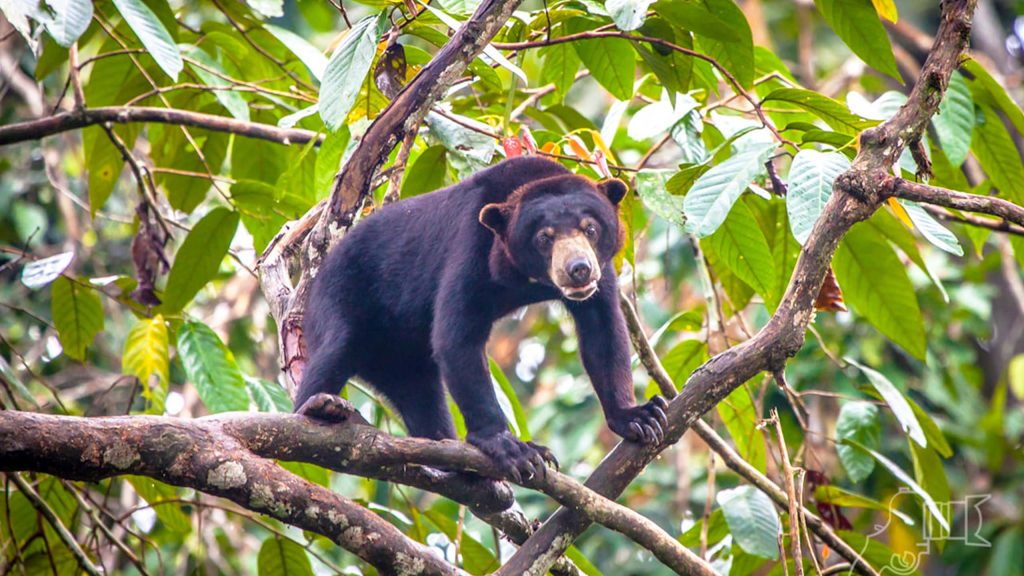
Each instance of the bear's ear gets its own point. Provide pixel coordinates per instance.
(613, 188)
(495, 217)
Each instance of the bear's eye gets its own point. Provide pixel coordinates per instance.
(590, 231)
(545, 239)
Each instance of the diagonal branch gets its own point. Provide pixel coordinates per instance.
(856, 195)
(1004, 209)
(67, 121)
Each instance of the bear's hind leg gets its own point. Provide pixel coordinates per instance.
(421, 401)
(329, 368)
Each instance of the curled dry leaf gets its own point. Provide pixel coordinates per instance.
(830, 297)
(148, 256)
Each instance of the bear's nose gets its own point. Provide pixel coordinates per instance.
(579, 270)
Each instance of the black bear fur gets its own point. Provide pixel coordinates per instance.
(407, 299)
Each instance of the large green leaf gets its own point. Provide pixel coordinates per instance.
(650, 185)
(739, 414)
(857, 24)
(698, 17)
(346, 70)
(896, 401)
(989, 91)
(955, 121)
(477, 559)
(280, 556)
(611, 61)
(672, 67)
(199, 257)
(628, 14)
(683, 359)
(838, 497)
(39, 273)
(998, 155)
(211, 368)
(328, 160)
(146, 357)
(230, 99)
(876, 285)
(931, 475)
(833, 112)
(268, 396)
(509, 394)
(77, 315)
(859, 421)
(752, 520)
(306, 52)
(151, 32)
(741, 246)
(560, 66)
(712, 196)
(737, 56)
(428, 172)
(905, 478)
(930, 228)
(810, 186)
(69, 20)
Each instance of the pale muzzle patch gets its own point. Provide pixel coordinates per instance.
(574, 267)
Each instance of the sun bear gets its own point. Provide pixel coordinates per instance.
(407, 299)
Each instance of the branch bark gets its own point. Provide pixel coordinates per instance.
(67, 121)
(856, 195)
(1004, 209)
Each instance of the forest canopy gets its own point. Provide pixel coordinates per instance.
(822, 273)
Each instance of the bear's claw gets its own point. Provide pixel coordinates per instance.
(642, 424)
(515, 460)
(327, 408)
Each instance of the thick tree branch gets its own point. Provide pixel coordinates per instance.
(229, 455)
(1004, 209)
(204, 455)
(66, 121)
(856, 195)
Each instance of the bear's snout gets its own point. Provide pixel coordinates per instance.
(574, 268)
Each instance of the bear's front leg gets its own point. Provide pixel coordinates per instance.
(459, 348)
(604, 349)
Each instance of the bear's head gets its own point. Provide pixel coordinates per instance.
(560, 231)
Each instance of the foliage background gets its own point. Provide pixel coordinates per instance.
(944, 329)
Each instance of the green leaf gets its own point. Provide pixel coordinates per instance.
(859, 421)
(752, 520)
(268, 396)
(936, 439)
(837, 496)
(1007, 552)
(477, 559)
(77, 315)
(39, 273)
(875, 284)
(428, 173)
(69, 20)
(522, 428)
(611, 61)
(902, 476)
(717, 529)
(931, 475)
(146, 357)
(230, 99)
(199, 258)
(810, 186)
(164, 500)
(740, 245)
(658, 117)
(560, 66)
(896, 401)
(698, 17)
(267, 8)
(346, 70)
(877, 554)
(857, 24)
(989, 91)
(280, 556)
(833, 112)
(151, 32)
(930, 228)
(628, 14)
(306, 52)
(998, 155)
(672, 67)
(737, 56)
(739, 414)
(651, 186)
(683, 359)
(954, 123)
(709, 200)
(328, 160)
(211, 368)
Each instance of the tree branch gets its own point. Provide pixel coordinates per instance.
(204, 455)
(67, 121)
(856, 195)
(1004, 209)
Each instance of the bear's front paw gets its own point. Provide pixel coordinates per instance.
(643, 424)
(327, 408)
(515, 459)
